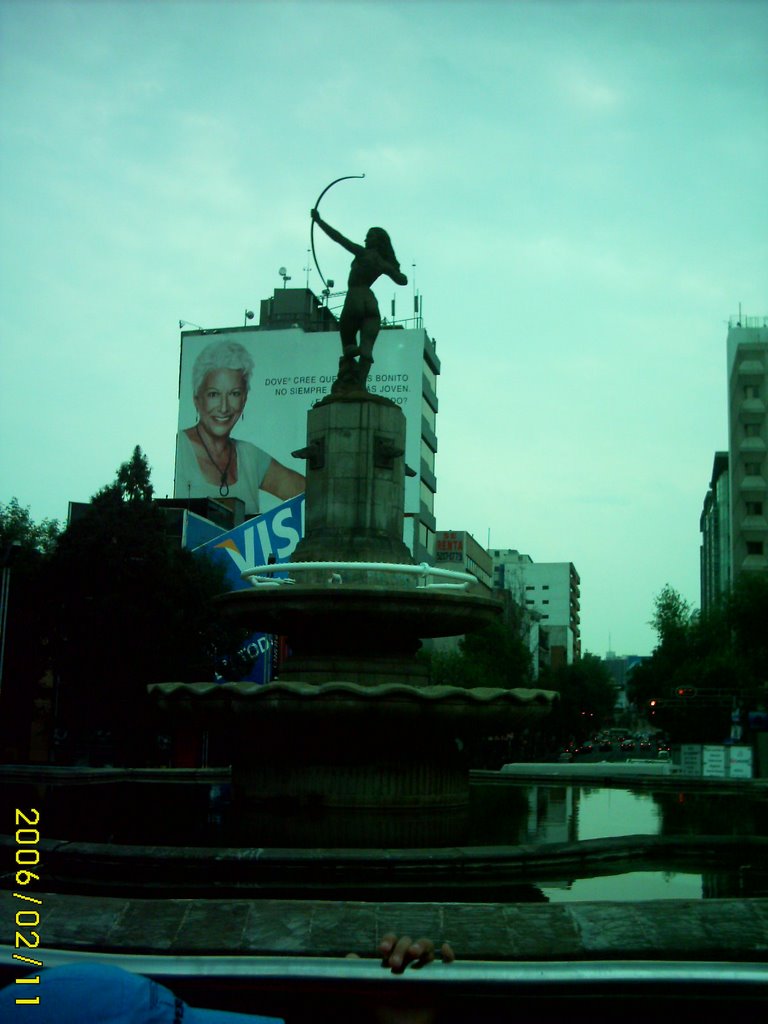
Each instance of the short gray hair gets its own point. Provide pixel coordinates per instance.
(221, 355)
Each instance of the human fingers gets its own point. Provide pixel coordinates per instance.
(387, 944)
(398, 956)
(416, 953)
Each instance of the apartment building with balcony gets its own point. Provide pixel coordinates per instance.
(748, 443)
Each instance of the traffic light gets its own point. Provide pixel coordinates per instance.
(684, 691)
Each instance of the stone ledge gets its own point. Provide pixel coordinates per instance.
(735, 930)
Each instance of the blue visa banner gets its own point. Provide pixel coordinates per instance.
(275, 533)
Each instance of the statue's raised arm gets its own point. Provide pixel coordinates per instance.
(360, 319)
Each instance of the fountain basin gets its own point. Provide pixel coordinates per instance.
(337, 758)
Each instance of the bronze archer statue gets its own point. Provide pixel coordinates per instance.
(360, 314)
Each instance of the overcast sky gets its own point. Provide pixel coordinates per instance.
(580, 186)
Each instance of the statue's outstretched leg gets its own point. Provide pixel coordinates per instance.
(348, 334)
(369, 331)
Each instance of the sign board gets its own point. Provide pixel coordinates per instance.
(449, 546)
(691, 759)
(197, 530)
(274, 534)
(288, 371)
(713, 762)
(740, 762)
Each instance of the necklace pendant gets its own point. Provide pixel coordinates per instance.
(224, 488)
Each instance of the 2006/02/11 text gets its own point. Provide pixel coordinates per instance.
(27, 918)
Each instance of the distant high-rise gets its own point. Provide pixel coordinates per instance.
(748, 443)
(551, 589)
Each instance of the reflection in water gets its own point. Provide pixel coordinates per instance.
(502, 813)
(615, 812)
(634, 885)
(571, 813)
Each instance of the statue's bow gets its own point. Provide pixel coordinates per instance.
(346, 177)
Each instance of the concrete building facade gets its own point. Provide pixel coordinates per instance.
(457, 549)
(549, 589)
(748, 443)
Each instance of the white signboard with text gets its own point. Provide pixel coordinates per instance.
(290, 371)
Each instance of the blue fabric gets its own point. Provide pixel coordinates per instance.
(94, 993)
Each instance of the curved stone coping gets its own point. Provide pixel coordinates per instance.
(338, 610)
(87, 865)
(719, 929)
(75, 775)
(519, 697)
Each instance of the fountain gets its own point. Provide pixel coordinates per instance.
(353, 746)
(351, 785)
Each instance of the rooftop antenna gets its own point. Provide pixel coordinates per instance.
(308, 268)
(285, 276)
(247, 315)
(188, 323)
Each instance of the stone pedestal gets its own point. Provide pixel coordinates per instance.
(355, 486)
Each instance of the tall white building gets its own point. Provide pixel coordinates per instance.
(748, 443)
(549, 589)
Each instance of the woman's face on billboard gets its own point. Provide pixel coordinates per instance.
(220, 401)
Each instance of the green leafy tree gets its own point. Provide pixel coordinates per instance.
(130, 608)
(746, 614)
(672, 616)
(587, 697)
(17, 527)
(495, 656)
(718, 658)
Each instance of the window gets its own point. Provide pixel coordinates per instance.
(752, 468)
(754, 547)
(751, 390)
(754, 508)
(752, 430)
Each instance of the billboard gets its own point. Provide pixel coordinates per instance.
(271, 536)
(449, 546)
(238, 443)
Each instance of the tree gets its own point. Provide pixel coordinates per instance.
(129, 608)
(16, 525)
(712, 660)
(495, 656)
(587, 697)
(746, 614)
(671, 617)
